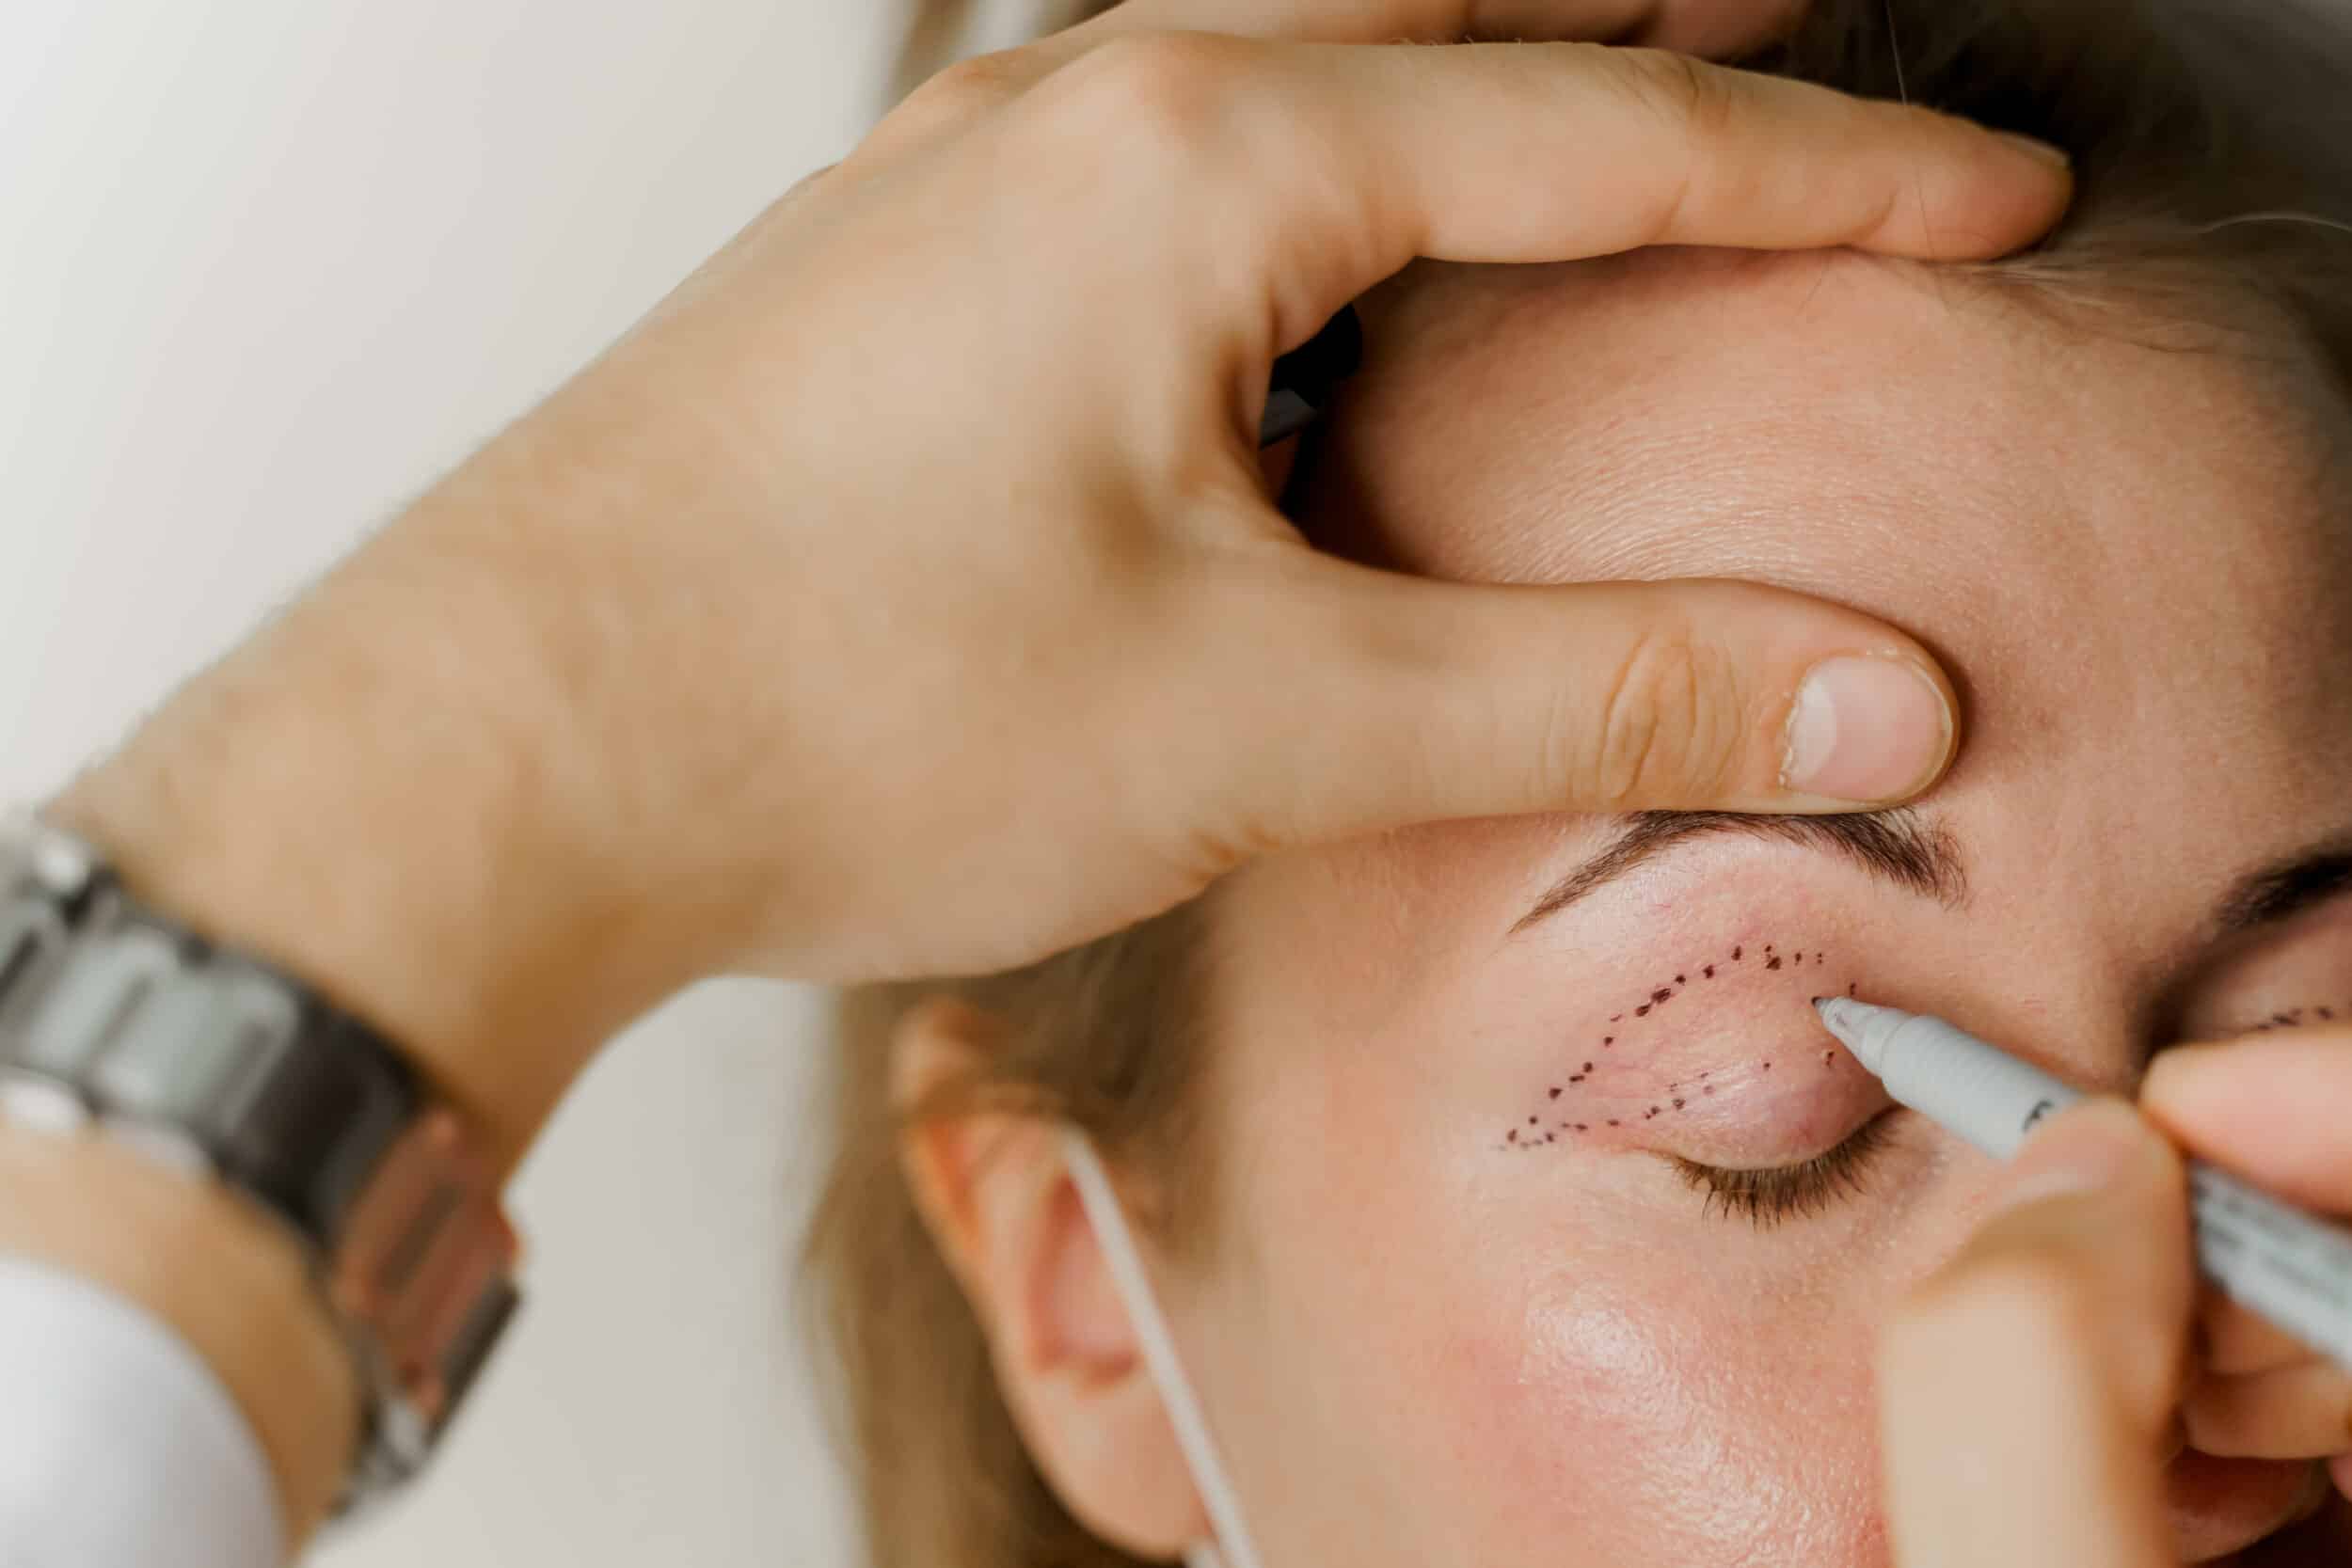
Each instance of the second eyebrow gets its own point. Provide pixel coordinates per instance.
(1902, 846)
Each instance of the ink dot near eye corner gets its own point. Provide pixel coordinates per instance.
(1768, 1067)
(1609, 1039)
(1555, 1092)
(1682, 979)
(1588, 1067)
(1735, 955)
(1709, 972)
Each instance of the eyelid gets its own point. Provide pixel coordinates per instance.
(1766, 1197)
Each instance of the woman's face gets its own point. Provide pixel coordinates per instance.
(1476, 1303)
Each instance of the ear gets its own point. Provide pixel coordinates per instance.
(999, 1202)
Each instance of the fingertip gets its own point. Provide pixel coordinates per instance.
(1868, 730)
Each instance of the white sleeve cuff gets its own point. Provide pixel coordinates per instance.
(119, 1445)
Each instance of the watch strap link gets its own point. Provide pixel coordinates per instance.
(115, 1019)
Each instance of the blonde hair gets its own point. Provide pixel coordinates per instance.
(2212, 147)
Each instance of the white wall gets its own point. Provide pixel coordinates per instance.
(266, 267)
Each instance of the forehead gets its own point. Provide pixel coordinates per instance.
(2042, 502)
(1871, 428)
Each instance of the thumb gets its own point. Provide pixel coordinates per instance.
(2025, 1389)
(1378, 700)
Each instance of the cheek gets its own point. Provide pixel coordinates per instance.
(1413, 1392)
(1662, 1417)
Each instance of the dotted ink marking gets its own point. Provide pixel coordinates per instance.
(1679, 1096)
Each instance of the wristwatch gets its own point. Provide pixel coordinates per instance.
(116, 1020)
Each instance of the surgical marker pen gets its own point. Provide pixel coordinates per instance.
(2276, 1261)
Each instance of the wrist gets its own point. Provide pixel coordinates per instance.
(378, 794)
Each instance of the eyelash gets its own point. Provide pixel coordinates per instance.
(1766, 1197)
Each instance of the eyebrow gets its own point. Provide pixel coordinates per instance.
(1903, 847)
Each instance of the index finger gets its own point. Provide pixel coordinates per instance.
(1337, 164)
(2275, 1108)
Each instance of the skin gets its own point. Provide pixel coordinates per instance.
(2132, 554)
(712, 678)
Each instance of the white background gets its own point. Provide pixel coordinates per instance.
(267, 267)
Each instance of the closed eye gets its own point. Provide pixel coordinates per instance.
(1766, 1197)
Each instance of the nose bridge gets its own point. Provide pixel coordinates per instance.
(2071, 979)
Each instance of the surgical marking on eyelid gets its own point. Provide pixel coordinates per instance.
(2291, 1019)
(1678, 1095)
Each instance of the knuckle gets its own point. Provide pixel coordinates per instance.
(1668, 730)
(1156, 92)
(966, 88)
(1688, 93)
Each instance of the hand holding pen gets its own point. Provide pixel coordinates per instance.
(2068, 1349)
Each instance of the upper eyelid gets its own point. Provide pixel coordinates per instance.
(1811, 1185)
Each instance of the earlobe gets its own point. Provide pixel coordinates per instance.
(993, 1189)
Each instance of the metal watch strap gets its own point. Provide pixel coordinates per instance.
(114, 1019)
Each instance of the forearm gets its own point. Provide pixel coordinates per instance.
(383, 792)
(380, 793)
